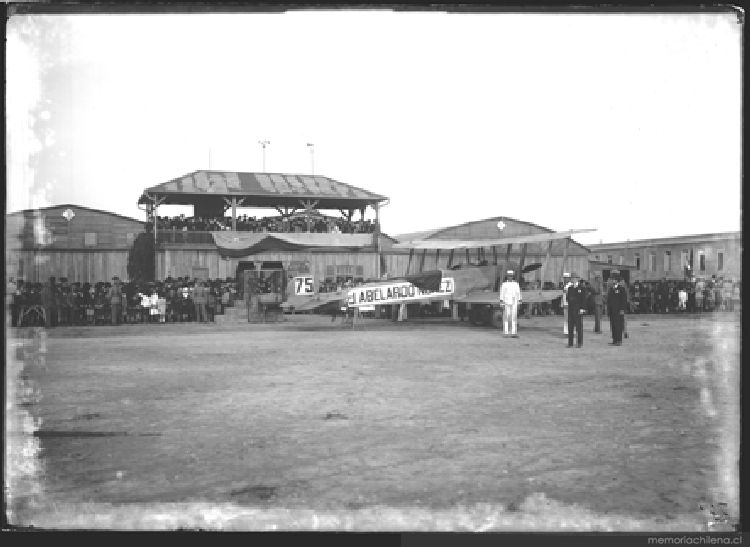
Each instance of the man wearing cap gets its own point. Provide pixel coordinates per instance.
(564, 302)
(510, 298)
(576, 297)
(700, 287)
(200, 298)
(115, 300)
(48, 302)
(617, 303)
(596, 292)
(624, 287)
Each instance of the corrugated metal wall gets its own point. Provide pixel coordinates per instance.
(43, 243)
(50, 229)
(38, 266)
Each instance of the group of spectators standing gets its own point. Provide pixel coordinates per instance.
(692, 296)
(278, 224)
(59, 302)
(664, 296)
(615, 298)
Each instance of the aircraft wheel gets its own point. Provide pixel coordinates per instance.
(474, 316)
(497, 317)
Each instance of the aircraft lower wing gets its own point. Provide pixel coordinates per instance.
(533, 296)
(428, 281)
(315, 301)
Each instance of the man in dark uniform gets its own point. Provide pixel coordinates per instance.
(48, 301)
(617, 302)
(17, 301)
(576, 297)
(596, 293)
(115, 300)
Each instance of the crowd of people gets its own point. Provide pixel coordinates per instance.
(663, 296)
(59, 302)
(699, 295)
(277, 224)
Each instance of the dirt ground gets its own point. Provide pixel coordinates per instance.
(424, 425)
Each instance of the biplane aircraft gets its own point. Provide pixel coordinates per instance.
(476, 286)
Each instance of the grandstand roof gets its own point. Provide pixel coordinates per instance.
(262, 190)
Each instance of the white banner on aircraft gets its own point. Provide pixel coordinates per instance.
(396, 293)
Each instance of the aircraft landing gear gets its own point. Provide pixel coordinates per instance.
(485, 315)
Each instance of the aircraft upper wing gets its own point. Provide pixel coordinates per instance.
(533, 296)
(474, 243)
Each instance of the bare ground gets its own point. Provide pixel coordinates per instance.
(383, 426)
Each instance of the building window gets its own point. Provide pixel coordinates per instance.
(720, 260)
(652, 262)
(619, 260)
(667, 261)
(89, 239)
(609, 259)
(684, 259)
(702, 261)
(637, 261)
(596, 257)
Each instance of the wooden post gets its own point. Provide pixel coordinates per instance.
(468, 258)
(153, 217)
(411, 255)
(377, 237)
(494, 255)
(421, 261)
(507, 252)
(234, 213)
(521, 263)
(437, 259)
(564, 258)
(154, 208)
(450, 259)
(547, 258)
(519, 275)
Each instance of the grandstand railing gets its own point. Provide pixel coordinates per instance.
(167, 236)
(180, 236)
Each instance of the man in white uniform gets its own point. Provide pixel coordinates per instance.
(564, 303)
(510, 298)
(682, 298)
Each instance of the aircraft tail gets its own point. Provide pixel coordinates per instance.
(427, 281)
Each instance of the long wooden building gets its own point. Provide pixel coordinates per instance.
(72, 241)
(718, 254)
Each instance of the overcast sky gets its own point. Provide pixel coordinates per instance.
(628, 123)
